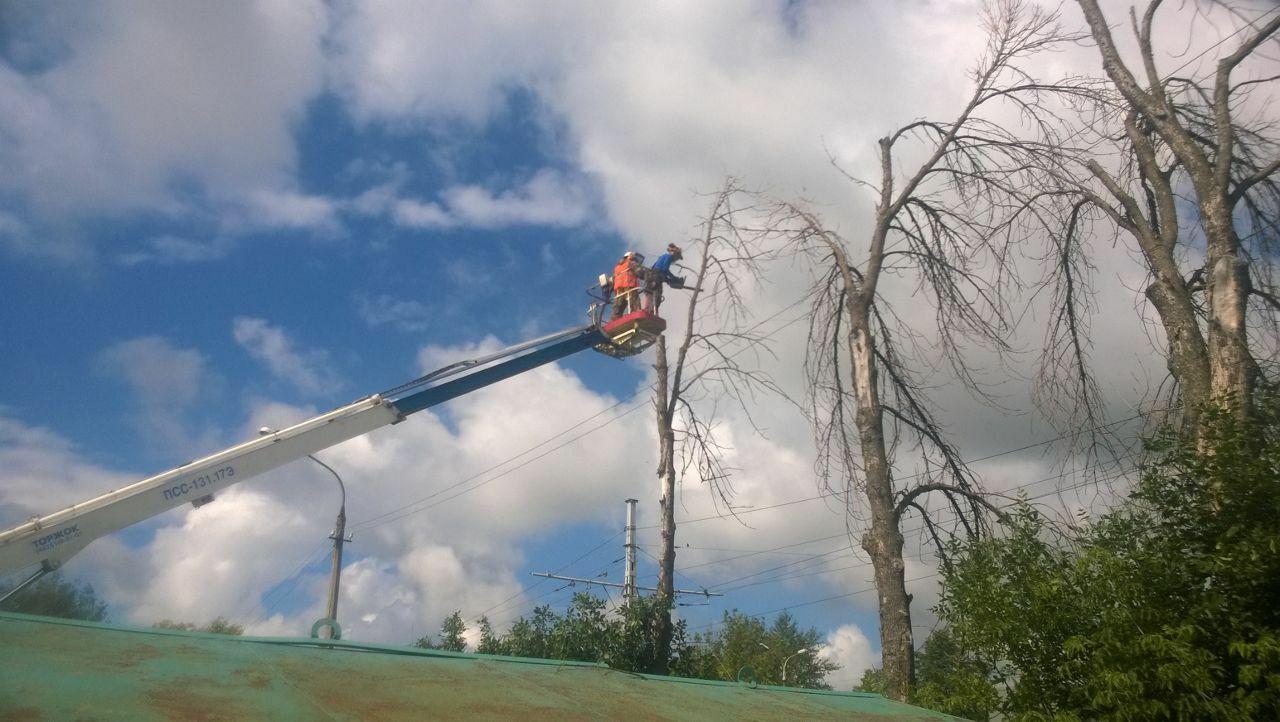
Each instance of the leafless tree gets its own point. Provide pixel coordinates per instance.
(944, 224)
(716, 360)
(1185, 164)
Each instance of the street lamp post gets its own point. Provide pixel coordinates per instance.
(788, 659)
(339, 537)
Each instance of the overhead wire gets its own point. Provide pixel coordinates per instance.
(420, 504)
(819, 557)
(830, 494)
(676, 572)
(861, 564)
(543, 580)
(282, 589)
(1023, 486)
(817, 601)
(905, 531)
(1087, 482)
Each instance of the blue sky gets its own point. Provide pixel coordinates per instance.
(226, 215)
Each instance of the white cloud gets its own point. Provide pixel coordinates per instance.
(307, 371)
(288, 209)
(160, 373)
(404, 314)
(379, 199)
(172, 250)
(548, 198)
(151, 100)
(165, 381)
(399, 61)
(416, 214)
(200, 569)
(850, 648)
(44, 472)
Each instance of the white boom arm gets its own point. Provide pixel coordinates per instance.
(49, 541)
(52, 539)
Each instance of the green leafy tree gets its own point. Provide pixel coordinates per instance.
(452, 635)
(745, 641)
(628, 638)
(531, 637)
(637, 642)
(489, 642)
(54, 596)
(632, 638)
(1163, 608)
(220, 625)
(583, 632)
(948, 679)
(872, 681)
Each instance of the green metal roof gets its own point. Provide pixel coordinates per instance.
(52, 669)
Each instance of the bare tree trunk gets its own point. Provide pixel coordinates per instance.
(685, 439)
(1213, 365)
(945, 223)
(666, 502)
(883, 540)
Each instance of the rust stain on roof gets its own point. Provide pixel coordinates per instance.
(58, 669)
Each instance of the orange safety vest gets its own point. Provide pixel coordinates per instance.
(623, 276)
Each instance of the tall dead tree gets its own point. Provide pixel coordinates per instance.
(944, 224)
(1184, 162)
(714, 361)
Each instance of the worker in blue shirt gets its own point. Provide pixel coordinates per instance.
(661, 273)
(662, 266)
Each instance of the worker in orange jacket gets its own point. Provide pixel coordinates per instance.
(626, 284)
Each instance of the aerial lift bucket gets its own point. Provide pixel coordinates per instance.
(631, 334)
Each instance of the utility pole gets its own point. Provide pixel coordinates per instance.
(339, 537)
(630, 591)
(629, 576)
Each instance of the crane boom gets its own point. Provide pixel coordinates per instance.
(52, 539)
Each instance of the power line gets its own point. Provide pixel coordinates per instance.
(408, 510)
(830, 494)
(676, 571)
(818, 601)
(281, 592)
(1115, 109)
(746, 555)
(403, 512)
(1081, 485)
(845, 534)
(1087, 482)
(396, 513)
(523, 589)
(904, 531)
(571, 583)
